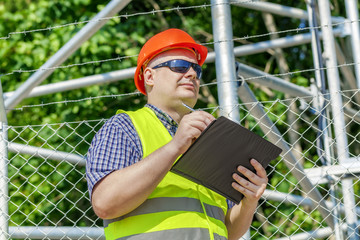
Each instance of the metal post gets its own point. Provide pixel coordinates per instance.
(338, 113)
(4, 226)
(270, 130)
(353, 15)
(225, 59)
(324, 154)
(225, 62)
(71, 46)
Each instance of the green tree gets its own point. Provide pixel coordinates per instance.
(51, 193)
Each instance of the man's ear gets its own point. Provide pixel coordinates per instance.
(149, 77)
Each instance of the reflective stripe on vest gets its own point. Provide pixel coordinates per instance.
(175, 234)
(163, 204)
(177, 207)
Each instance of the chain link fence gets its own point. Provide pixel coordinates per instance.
(47, 189)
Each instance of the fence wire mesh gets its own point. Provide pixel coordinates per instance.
(47, 189)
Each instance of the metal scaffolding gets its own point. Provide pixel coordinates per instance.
(228, 73)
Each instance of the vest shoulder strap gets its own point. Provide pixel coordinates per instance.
(150, 129)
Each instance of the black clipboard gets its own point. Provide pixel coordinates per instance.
(221, 148)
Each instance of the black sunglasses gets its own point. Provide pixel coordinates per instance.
(181, 66)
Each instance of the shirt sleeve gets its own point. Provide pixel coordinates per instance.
(115, 146)
(230, 203)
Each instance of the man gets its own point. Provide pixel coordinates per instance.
(129, 159)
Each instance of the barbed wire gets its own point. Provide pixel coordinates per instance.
(213, 109)
(153, 12)
(126, 57)
(58, 124)
(202, 85)
(68, 66)
(284, 74)
(126, 16)
(74, 101)
(297, 30)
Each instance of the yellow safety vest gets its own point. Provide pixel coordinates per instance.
(178, 208)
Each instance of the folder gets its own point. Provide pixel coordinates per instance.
(215, 155)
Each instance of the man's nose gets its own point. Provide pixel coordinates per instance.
(191, 73)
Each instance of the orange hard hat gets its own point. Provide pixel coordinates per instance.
(163, 41)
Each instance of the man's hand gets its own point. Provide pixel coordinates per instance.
(190, 128)
(255, 187)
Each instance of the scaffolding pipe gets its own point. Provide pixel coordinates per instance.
(350, 168)
(104, 78)
(323, 141)
(284, 42)
(225, 63)
(71, 46)
(270, 130)
(317, 234)
(353, 15)
(256, 76)
(47, 154)
(251, 74)
(278, 9)
(338, 114)
(4, 215)
(225, 59)
(298, 200)
(73, 232)
(129, 72)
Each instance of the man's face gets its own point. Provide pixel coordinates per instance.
(172, 86)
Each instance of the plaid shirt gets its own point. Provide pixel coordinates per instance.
(117, 145)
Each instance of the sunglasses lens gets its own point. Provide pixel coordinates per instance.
(182, 66)
(180, 69)
(179, 66)
(198, 70)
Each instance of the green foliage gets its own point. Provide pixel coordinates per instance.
(47, 192)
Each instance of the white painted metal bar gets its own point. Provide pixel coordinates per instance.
(47, 153)
(284, 42)
(317, 234)
(350, 167)
(278, 9)
(323, 141)
(225, 59)
(40, 232)
(4, 216)
(104, 78)
(225, 63)
(299, 200)
(338, 114)
(128, 73)
(84, 34)
(352, 11)
(256, 76)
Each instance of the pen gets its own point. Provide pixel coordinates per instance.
(191, 109)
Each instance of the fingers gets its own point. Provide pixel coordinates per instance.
(255, 186)
(190, 128)
(198, 120)
(260, 170)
